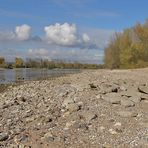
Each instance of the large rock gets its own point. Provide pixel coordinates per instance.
(143, 89)
(131, 93)
(113, 98)
(88, 116)
(108, 88)
(127, 114)
(126, 102)
(135, 99)
(65, 90)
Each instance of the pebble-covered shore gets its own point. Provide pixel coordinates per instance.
(92, 109)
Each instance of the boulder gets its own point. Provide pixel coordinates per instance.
(131, 93)
(108, 88)
(113, 98)
(126, 102)
(135, 99)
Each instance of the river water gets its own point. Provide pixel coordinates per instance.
(22, 74)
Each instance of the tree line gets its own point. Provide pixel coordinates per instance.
(128, 49)
(45, 63)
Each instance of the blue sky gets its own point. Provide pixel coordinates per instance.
(85, 26)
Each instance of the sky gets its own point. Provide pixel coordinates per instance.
(72, 30)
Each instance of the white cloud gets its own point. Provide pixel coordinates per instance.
(6, 35)
(67, 35)
(64, 34)
(23, 32)
(42, 52)
(85, 38)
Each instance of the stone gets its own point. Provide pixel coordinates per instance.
(117, 124)
(48, 119)
(67, 101)
(135, 99)
(126, 102)
(131, 93)
(69, 124)
(107, 146)
(108, 88)
(88, 116)
(118, 127)
(144, 96)
(82, 126)
(92, 86)
(48, 137)
(4, 136)
(113, 98)
(143, 143)
(144, 124)
(127, 114)
(122, 88)
(30, 119)
(112, 131)
(99, 96)
(143, 89)
(72, 107)
(22, 138)
(101, 129)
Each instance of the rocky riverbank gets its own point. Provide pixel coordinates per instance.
(92, 109)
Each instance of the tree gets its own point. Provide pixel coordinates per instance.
(19, 63)
(2, 62)
(128, 49)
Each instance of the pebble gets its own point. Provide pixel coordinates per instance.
(4, 136)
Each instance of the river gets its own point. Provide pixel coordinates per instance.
(26, 74)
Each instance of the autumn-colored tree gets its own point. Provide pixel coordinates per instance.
(2, 62)
(128, 49)
(19, 62)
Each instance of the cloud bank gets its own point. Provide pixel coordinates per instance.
(65, 35)
(59, 41)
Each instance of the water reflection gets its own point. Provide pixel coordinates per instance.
(2, 76)
(13, 75)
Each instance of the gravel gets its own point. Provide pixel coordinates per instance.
(95, 108)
